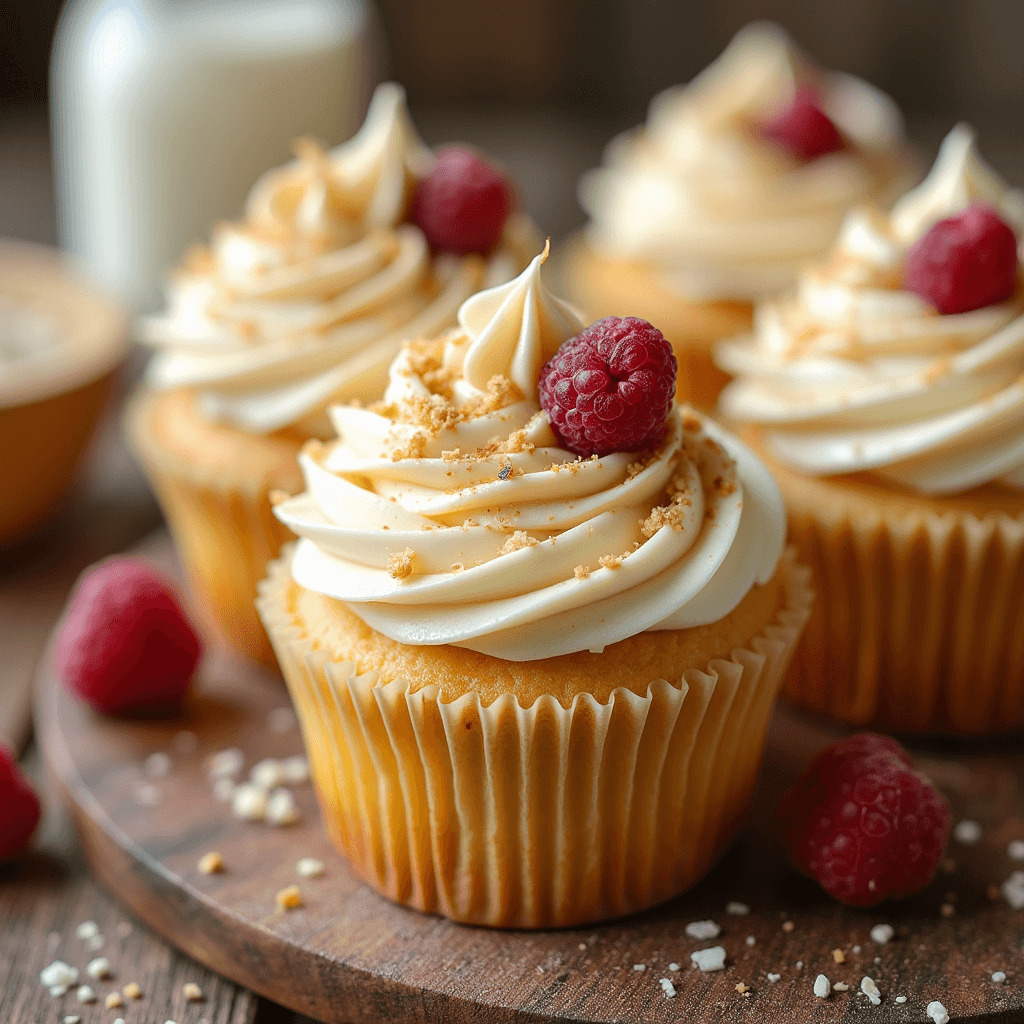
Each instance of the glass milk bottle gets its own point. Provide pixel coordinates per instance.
(165, 112)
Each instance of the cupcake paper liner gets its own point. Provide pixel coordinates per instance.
(917, 622)
(546, 816)
(225, 533)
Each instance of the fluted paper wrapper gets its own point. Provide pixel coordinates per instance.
(917, 622)
(225, 532)
(534, 817)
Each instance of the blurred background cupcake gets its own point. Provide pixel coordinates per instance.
(887, 394)
(736, 180)
(342, 254)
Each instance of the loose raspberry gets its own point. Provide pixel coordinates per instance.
(803, 129)
(964, 262)
(864, 824)
(19, 807)
(463, 203)
(125, 645)
(610, 388)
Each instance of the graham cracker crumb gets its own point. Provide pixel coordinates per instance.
(131, 991)
(192, 992)
(211, 863)
(113, 1001)
(289, 898)
(400, 563)
(741, 988)
(581, 572)
(610, 561)
(838, 956)
(519, 539)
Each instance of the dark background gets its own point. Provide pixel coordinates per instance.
(543, 83)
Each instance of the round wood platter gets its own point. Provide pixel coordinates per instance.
(347, 955)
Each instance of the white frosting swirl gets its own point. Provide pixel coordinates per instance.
(854, 374)
(452, 516)
(720, 212)
(308, 300)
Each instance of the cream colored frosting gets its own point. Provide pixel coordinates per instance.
(451, 515)
(720, 212)
(853, 373)
(309, 298)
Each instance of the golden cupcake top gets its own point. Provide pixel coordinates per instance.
(306, 300)
(902, 354)
(526, 488)
(744, 174)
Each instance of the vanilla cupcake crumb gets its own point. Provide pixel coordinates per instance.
(400, 563)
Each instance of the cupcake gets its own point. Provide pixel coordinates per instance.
(60, 348)
(887, 395)
(341, 255)
(534, 653)
(736, 180)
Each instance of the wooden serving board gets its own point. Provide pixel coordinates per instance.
(348, 955)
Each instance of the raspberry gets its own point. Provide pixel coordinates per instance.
(803, 129)
(19, 807)
(610, 388)
(964, 262)
(462, 204)
(125, 645)
(863, 823)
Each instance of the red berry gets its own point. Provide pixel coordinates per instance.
(864, 824)
(463, 203)
(125, 644)
(610, 388)
(19, 807)
(964, 262)
(803, 129)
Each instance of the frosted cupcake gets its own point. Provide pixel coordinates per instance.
(534, 664)
(736, 180)
(888, 394)
(303, 303)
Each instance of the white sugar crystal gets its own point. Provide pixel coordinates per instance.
(227, 763)
(639, 967)
(87, 929)
(737, 909)
(710, 959)
(967, 832)
(95, 943)
(840, 986)
(281, 720)
(249, 802)
(870, 989)
(310, 867)
(1013, 890)
(72, 1018)
(673, 967)
(147, 795)
(999, 977)
(85, 994)
(267, 774)
(901, 999)
(822, 987)
(937, 1012)
(157, 765)
(1015, 851)
(295, 769)
(98, 968)
(856, 949)
(703, 930)
(281, 808)
(882, 933)
(224, 789)
(668, 988)
(774, 977)
(750, 940)
(58, 975)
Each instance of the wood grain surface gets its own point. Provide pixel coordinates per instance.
(347, 955)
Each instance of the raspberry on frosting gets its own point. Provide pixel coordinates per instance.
(964, 262)
(610, 387)
(803, 129)
(125, 645)
(462, 204)
(863, 823)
